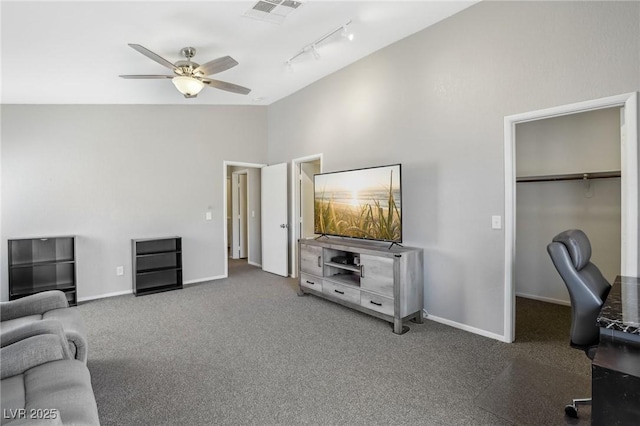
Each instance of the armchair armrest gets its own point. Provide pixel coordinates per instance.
(34, 304)
(36, 328)
(74, 330)
(32, 345)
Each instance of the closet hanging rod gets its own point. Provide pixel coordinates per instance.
(569, 176)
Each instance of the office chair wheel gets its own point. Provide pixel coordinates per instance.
(571, 411)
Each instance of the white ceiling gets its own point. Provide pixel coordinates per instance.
(72, 52)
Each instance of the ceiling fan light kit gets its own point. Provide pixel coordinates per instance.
(188, 86)
(190, 77)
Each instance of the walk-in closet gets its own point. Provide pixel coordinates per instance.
(568, 176)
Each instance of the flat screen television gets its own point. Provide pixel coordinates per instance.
(360, 203)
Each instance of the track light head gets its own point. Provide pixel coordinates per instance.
(315, 52)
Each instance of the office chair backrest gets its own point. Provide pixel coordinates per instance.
(570, 252)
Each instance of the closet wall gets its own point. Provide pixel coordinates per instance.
(574, 144)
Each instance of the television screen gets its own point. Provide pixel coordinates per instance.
(362, 203)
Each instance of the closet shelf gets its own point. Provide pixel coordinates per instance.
(570, 176)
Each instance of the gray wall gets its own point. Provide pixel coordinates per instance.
(436, 103)
(577, 143)
(111, 173)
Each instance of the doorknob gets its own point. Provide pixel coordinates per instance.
(284, 225)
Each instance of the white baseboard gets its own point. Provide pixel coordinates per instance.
(203, 280)
(104, 296)
(465, 327)
(120, 293)
(259, 265)
(544, 299)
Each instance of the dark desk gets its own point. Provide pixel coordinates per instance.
(615, 378)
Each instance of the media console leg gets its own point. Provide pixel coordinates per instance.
(418, 319)
(301, 293)
(398, 328)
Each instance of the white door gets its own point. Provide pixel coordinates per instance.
(239, 215)
(275, 228)
(307, 171)
(302, 203)
(229, 217)
(242, 215)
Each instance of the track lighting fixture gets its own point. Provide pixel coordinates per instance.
(315, 52)
(346, 34)
(313, 47)
(289, 66)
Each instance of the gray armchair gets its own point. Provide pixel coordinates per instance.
(41, 383)
(570, 252)
(48, 305)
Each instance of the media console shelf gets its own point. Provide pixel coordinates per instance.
(41, 264)
(380, 281)
(156, 264)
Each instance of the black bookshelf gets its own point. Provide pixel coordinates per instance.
(41, 264)
(157, 265)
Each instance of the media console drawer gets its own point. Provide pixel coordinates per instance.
(349, 294)
(309, 281)
(375, 302)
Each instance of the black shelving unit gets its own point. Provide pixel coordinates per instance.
(157, 265)
(41, 264)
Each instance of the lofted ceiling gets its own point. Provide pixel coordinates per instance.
(73, 52)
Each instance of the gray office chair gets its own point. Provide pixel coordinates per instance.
(570, 252)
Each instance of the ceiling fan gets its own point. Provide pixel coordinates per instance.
(190, 77)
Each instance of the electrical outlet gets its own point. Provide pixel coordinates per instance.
(120, 270)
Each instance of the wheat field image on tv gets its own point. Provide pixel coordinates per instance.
(360, 204)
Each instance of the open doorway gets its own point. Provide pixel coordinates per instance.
(242, 227)
(628, 171)
(302, 203)
(567, 177)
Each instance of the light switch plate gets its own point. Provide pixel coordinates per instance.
(207, 216)
(496, 222)
(120, 270)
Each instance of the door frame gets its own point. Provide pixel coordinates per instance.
(225, 166)
(629, 188)
(295, 208)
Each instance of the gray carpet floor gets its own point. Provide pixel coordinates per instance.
(247, 350)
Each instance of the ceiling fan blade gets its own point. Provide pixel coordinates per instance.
(217, 65)
(223, 85)
(149, 54)
(146, 76)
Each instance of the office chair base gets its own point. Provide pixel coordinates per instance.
(571, 410)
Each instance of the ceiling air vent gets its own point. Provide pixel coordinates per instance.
(291, 4)
(273, 11)
(264, 6)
